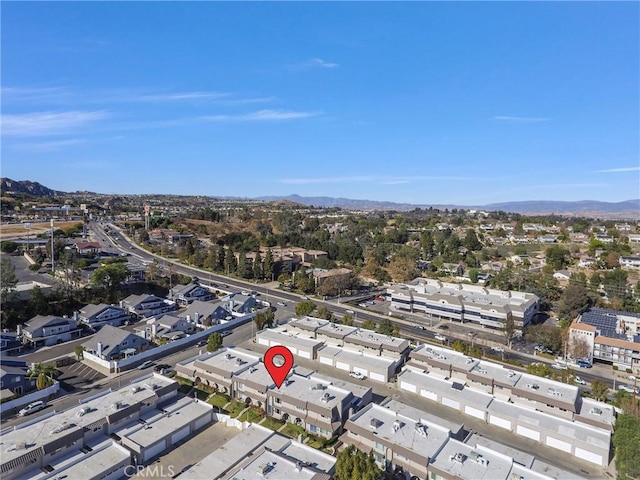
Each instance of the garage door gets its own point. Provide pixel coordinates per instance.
(430, 395)
(559, 444)
(326, 360)
(474, 412)
(361, 370)
(154, 450)
(410, 387)
(527, 432)
(201, 422)
(342, 366)
(263, 341)
(179, 435)
(377, 376)
(500, 422)
(304, 354)
(450, 403)
(588, 456)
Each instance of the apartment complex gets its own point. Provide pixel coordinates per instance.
(464, 302)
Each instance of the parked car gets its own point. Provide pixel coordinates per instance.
(350, 312)
(559, 366)
(32, 408)
(626, 388)
(443, 327)
(201, 343)
(144, 365)
(442, 338)
(357, 375)
(583, 364)
(579, 381)
(282, 304)
(224, 333)
(161, 367)
(497, 349)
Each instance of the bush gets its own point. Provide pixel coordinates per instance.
(615, 367)
(8, 247)
(35, 267)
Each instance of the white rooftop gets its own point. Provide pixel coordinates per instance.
(43, 430)
(408, 431)
(306, 389)
(232, 360)
(444, 355)
(358, 358)
(470, 462)
(598, 411)
(160, 423)
(498, 373)
(548, 388)
(290, 337)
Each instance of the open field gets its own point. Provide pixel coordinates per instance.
(19, 230)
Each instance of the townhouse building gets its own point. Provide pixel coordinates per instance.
(28, 450)
(630, 262)
(97, 316)
(183, 295)
(45, 330)
(147, 305)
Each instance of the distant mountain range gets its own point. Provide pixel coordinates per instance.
(26, 187)
(587, 208)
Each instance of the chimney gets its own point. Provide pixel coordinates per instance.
(99, 349)
(189, 318)
(197, 318)
(19, 330)
(154, 329)
(75, 315)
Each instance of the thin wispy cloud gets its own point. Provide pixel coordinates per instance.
(172, 97)
(318, 62)
(370, 178)
(49, 123)
(38, 147)
(512, 119)
(259, 116)
(619, 170)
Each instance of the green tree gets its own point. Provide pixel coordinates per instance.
(38, 301)
(403, 269)
(214, 342)
(268, 266)
(539, 369)
(353, 464)
(79, 351)
(557, 257)
(8, 246)
(304, 282)
(599, 390)
(385, 327)
(305, 308)
(109, 276)
(473, 275)
(245, 269)
(43, 373)
(368, 325)
(347, 320)
(8, 279)
(324, 313)
(264, 320)
(258, 274)
(471, 241)
(509, 329)
(626, 439)
(574, 300)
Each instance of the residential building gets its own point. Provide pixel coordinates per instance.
(464, 302)
(587, 262)
(634, 238)
(112, 343)
(97, 316)
(87, 248)
(165, 327)
(66, 434)
(615, 336)
(340, 275)
(147, 305)
(204, 314)
(298, 342)
(375, 367)
(578, 238)
(45, 330)
(398, 436)
(631, 262)
(14, 378)
(239, 304)
(183, 295)
(258, 452)
(10, 343)
(562, 275)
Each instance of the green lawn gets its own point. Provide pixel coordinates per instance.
(292, 430)
(235, 407)
(315, 441)
(219, 400)
(250, 416)
(272, 423)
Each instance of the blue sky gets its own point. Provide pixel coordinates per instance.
(421, 102)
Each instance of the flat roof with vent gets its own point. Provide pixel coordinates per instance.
(411, 435)
(38, 432)
(312, 390)
(430, 353)
(472, 462)
(159, 424)
(228, 360)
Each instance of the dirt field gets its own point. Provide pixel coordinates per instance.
(19, 230)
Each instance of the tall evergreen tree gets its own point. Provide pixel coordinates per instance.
(268, 270)
(257, 266)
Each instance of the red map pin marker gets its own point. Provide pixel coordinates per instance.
(278, 369)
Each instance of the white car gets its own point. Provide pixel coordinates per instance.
(357, 375)
(626, 388)
(442, 338)
(559, 366)
(144, 365)
(497, 349)
(579, 381)
(282, 304)
(32, 408)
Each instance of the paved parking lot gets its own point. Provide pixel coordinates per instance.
(78, 375)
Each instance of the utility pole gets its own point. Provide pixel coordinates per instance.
(53, 267)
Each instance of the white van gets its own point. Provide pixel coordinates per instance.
(32, 408)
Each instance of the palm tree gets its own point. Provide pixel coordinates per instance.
(43, 374)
